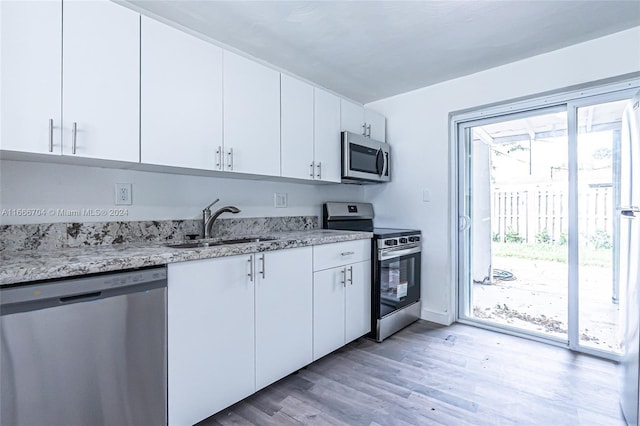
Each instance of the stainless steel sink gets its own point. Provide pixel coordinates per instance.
(246, 240)
(193, 245)
(202, 244)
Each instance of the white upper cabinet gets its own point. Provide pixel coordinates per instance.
(297, 128)
(376, 125)
(251, 116)
(101, 75)
(31, 55)
(352, 117)
(310, 125)
(327, 155)
(358, 119)
(181, 98)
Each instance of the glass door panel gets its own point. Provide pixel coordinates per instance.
(399, 282)
(598, 186)
(516, 203)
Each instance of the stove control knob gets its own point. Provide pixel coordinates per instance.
(416, 239)
(390, 242)
(403, 241)
(412, 239)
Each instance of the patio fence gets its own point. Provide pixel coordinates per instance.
(543, 213)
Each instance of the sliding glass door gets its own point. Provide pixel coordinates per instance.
(538, 227)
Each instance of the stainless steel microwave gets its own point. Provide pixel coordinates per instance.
(364, 160)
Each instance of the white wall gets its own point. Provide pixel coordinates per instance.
(160, 196)
(418, 130)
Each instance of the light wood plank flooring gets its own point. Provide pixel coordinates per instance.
(433, 375)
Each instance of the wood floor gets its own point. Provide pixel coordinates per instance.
(433, 375)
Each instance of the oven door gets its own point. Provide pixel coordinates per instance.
(397, 279)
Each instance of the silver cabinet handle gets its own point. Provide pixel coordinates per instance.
(74, 138)
(51, 135)
(368, 130)
(219, 157)
(311, 172)
(350, 279)
(230, 162)
(347, 253)
(344, 277)
(250, 274)
(364, 129)
(262, 261)
(319, 175)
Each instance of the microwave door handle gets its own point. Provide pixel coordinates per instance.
(379, 162)
(386, 164)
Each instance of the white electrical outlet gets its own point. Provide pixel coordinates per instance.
(280, 200)
(123, 194)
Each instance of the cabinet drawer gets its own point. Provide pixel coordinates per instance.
(331, 255)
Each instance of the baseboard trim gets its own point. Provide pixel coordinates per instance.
(437, 317)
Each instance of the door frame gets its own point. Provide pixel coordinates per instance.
(568, 99)
(574, 247)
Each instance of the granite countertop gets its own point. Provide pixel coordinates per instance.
(34, 265)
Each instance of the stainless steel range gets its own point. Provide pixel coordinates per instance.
(396, 255)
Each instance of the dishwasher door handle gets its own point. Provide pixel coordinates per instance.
(81, 297)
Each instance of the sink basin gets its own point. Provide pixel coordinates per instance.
(192, 245)
(245, 240)
(202, 244)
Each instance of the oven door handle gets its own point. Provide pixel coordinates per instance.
(390, 254)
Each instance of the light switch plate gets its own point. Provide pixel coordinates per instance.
(426, 196)
(280, 200)
(123, 194)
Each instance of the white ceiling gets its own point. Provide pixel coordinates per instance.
(369, 50)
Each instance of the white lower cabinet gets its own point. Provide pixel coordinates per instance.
(235, 325)
(210, 331)
(283, 313)
(328, 311)
(341, 295)
(357, 301)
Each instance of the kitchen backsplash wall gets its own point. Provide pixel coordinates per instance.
(74, 234)
(48, 193)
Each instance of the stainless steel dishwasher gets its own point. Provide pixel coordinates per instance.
(85, 351)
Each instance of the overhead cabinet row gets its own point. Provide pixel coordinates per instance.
(128, 88)
(85, 103)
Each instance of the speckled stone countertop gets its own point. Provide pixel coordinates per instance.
(34, 265)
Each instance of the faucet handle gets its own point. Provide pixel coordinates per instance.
(209, 206)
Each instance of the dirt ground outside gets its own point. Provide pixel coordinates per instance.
(536, 300)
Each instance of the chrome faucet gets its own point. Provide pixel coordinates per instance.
(208, 218)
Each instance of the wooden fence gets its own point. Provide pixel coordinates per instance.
(543, 213)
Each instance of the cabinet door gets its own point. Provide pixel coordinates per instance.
(251, 116)
(328, 311)
(181, 98)
(31, 80)
(283, 313)
(327, 136)
(358, 300)
(101, 63)
(210, 337)
(378, 125)
(352, 117)
(297, 128)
